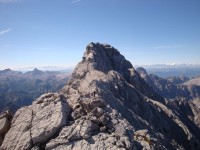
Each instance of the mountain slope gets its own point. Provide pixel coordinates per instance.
(20, 89)
(178, 79)
(182, 98)
(110, 107)
(168, 89)
(194, 81)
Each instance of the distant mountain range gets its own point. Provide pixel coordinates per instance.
(18, 89)
(187, 70)
(162, 70)
(174, 87)
(46, 68)
(181, 94)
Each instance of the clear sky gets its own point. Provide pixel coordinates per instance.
(55, 32)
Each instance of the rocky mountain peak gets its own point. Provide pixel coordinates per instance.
(104, 57)
(105, 105)
(35, 72)
(7, 70)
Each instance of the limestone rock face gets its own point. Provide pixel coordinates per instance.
(189, 111)
(37, 123)
(105, 105)
(106, 77)
(108, 131)
(5, 123)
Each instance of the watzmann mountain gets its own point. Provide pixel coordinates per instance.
(105, 105)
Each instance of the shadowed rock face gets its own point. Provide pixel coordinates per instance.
(110, 107)
(5, 123)
(182, 98)
(171, 90)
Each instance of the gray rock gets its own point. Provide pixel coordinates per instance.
(5, 123)
(112, 107)
(35, 124)
(105, 75)
(181, 97)
(84, 134)
(97, 103)
(98, 112)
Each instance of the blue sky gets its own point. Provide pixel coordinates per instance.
(55, 32)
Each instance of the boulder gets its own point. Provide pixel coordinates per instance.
(35, 124)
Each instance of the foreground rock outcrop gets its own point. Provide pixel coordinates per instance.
(5, 123)
(105, 105)
(36, 124)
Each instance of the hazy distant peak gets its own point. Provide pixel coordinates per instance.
(35, 72)
(6, 70)
(9, 72)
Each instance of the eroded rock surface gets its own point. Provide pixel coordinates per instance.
(37, 123)
(105, 105)
(182, 97)
(5, 123)
(105, 75)
(108, 131)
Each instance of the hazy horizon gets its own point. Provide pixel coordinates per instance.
(36, 33)
(71, 68)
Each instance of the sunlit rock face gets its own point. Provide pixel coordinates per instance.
(105, 105)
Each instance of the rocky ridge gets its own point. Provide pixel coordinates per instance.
(19, 89)
(180, 96)
(171, 90)
(105, 105)
(194, 81)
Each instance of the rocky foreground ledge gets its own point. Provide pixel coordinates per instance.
(105, 105)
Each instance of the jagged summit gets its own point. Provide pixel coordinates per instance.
(105, 105)
(104, 57)
(105, 75)
(35, 72)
